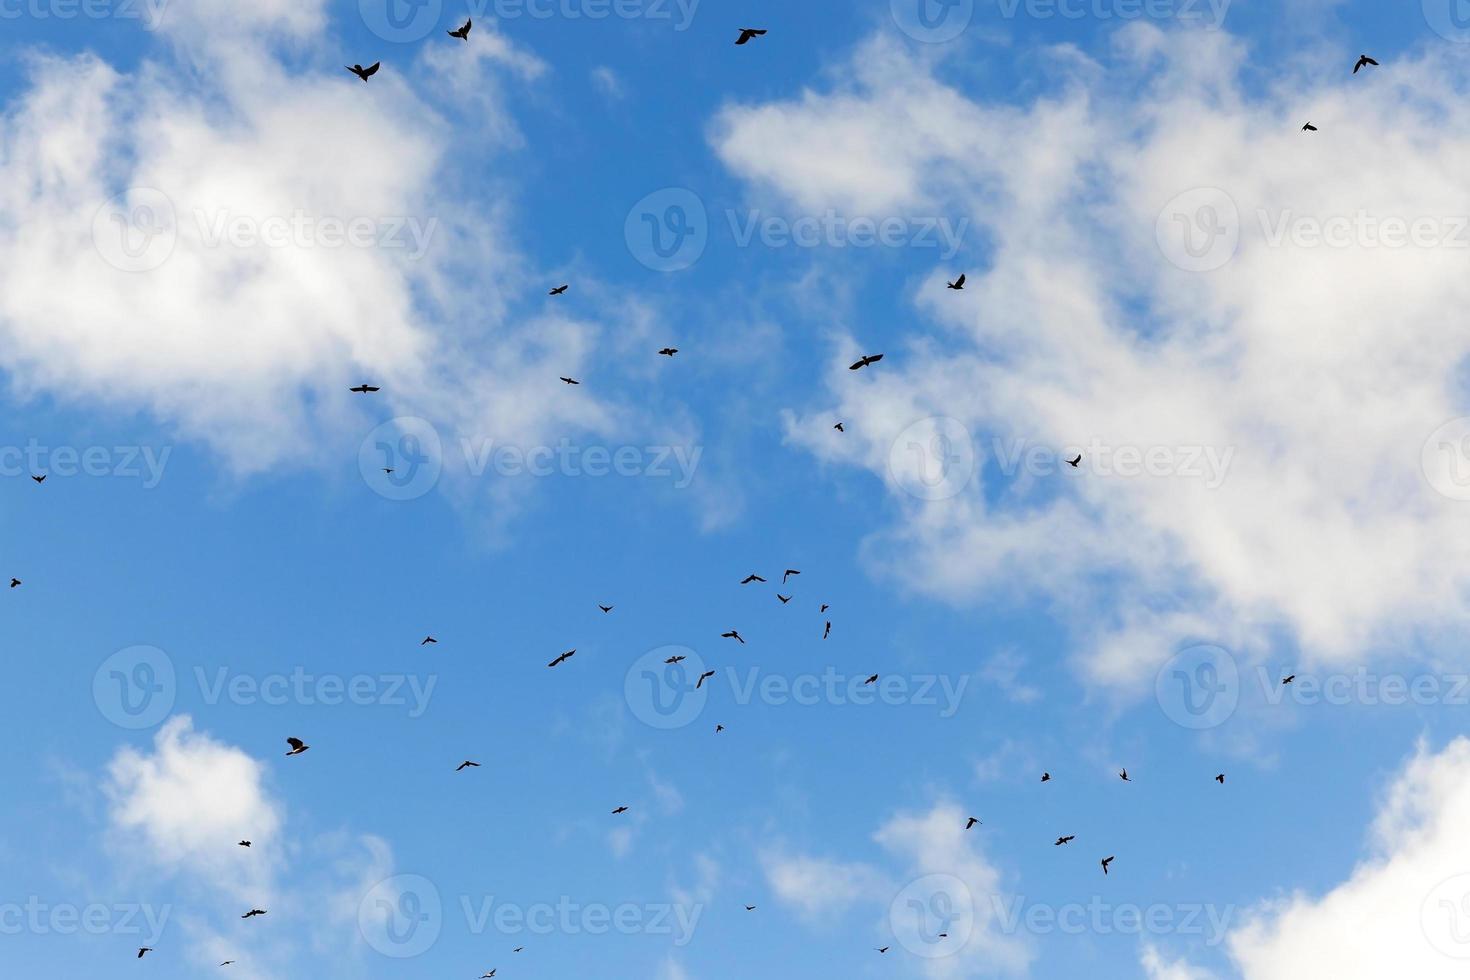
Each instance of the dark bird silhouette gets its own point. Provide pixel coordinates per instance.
(558, 290)
(365, 389)
(787, 574)
(1124, 776)
(784, 598)
(719, 728)
(297, 746)
(487, 976)
(365, 73)
(1288, 679)
(752, 577)
(563, 658)
(1309, 128)
(144, 949)
(1105, 862)
(702, 678)
(39, 479)
(227, 962)
(864, 361)
(1046, 777)
(464, 32)
(518, 949)
(669, 351)
(244, 843)
(958, 283)
(253, 912)
(1220, 779)
(621, 809)
(14, 582)
(1073, 462)
(1363, 62)
(746, 33)
(824, 608)
(970, 823)
(827, 630)
(466, 764)
(881, 949)
(570, 381)
(606, 609)
(1065, 840)
(675, 660)
(427, 640)
(839, 427)
(750, 908)
(733, 635)
(871, 680)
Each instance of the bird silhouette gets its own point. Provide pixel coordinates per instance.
(144, 949)
(297, 746)
(427, 640)
(839, 427)
(563, 658)
(864, 361)
(784, 598)
(1065, 840)
(824, 608)
(570, 381)
(1105, 862)
(719, 728)
(466, 764)
(958, 283)
(1288, 679)
(881, 949)
(364, 73)
(1073, 462)
(558, 290)
(746, 33)
(970, 823)
(1220, 779)
(787, 574)
(669, 351)
(702, 678)
(15, 582)
(606, 609)
(252, 913)
(827, 630)
(871, 680)
(733, 635)
(39, 479)
(1046, 777)
(1309, 128)
(1124, 776)
(675, 660)
(621, 809)
(365, 389)
(464, 32)
(244, 843)
(1363, 62)
(752, 577)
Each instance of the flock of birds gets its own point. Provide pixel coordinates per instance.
(297, 746)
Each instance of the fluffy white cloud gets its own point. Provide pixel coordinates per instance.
(1281, 400)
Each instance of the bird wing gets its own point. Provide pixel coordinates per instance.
(371, 69)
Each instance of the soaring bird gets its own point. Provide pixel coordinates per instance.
(606, 609)
(1073, 462)
(750, 908)
(733, 635)
(1124, 776)
(746, 33)
(827, 630)
(824, 608)
(297, 746)
(1363, 62)
(1105, 862)
(466, 764)
(487, 976)
(970, 823)
(253, 912)
(144, 949)
(427, 640)
(621, 809)
(864, 361)
(1288, 679)
(784, 598)
(558, 290)
(675, 660)
(788, 573)
(752, 577)
(958, 283)
(871, 680)
(719, 728)
(464, 32)
(669, 351)
(14, 582)
(1065, 840)
(1220, 779)
(39, 479)
(881, 949)
(227, 962)
(563, 658)
(570, 381)
(1309, 128)
(364, 73)
(244, 843)
(839, 427)
(365, 389)
(1046, 777)
(702, 678)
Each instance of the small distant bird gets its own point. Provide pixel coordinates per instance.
(970, 823)
(871, 680)
(621, 809)
(1073, 462)
(788, 573)
(719, 728)
(1288, 679)
(144, 949)
(487, 976)
(387, 469)
(864, 361)
(752, 577)
(365, 73)
(746, 33)
(1220, 779)
(1105, 862)
(827, 630)
(1124, 776)
(1363, 62)
(39, 479)
(702, 678)
(244, 843)
(518, 949)
(750, 908)
(427, 640)
(466, 764)
(570, 381)
(563, 658)
(669, 351)
(1309, 128)
(14, 582)
(784, 598)
(824, 608)
(839, 427)
(1065, 840)
(606, 609)
(733, 635)
(675, 660)
(297, 746)
(253, 912)
(227, 962)
(558, 290)
(464, 32)
(881, 949)
(1046, 777)
(958, 283)
(365, 389)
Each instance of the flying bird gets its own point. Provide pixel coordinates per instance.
(824, 608)
(784, 598)
(244, 843)
(365, 389)
(881, 949)
(1065, 840)
(827, 630)
(746, 33)
(558, 290)
(39, 479)
(563, 658)
(570, 381)
(227, 962)
(427, 640)
(144, 949)
(464, 32)
(1046, 777)
(253, 912)
(1288, 679)
(675, 660)
(752, 577)
(750, 908)
(1220, 779)
(1309, 128)
(719, 728)
(606, 609)
(733, 635)
(365, 73)
(864, 361)
(621, 809)
(14, 582)
(1073, 462)
(839, 427)
(669, 351)
(297, 746)
(702, 678)
(1363, 62)
(1124, 776)
(788, 573)
(486, 976)
(1105, 862)
(958, 283)
(518, 949)
(871, 680)
(970, 823)
(466, 764)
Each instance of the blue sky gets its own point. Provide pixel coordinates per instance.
(1249, 333)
